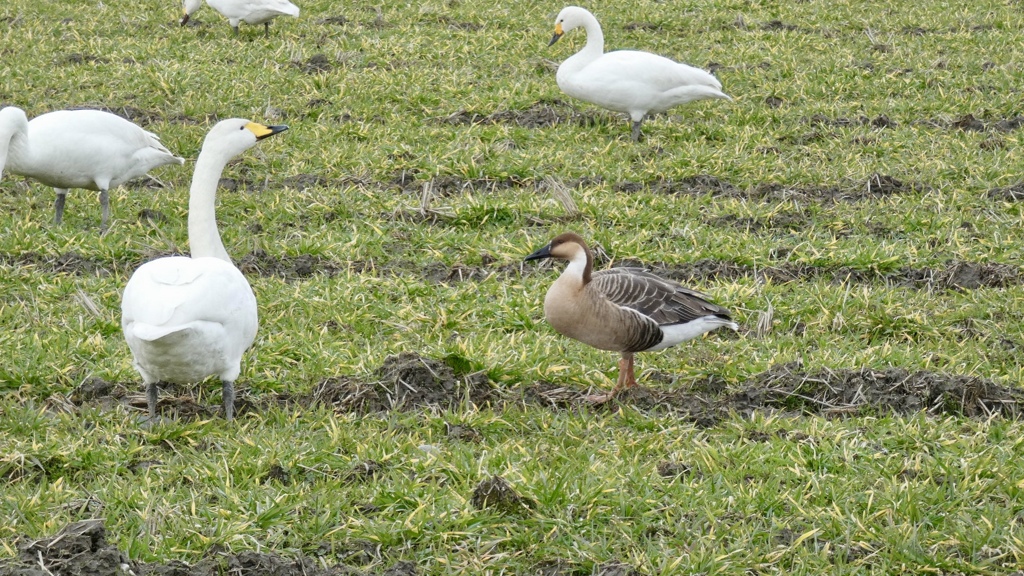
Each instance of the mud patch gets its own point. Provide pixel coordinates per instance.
(845, 392)
(956, 275)
(406, 381)
(79, 58)
(81, 548)
(261, 263)
(66, 263)
(446, 186)
(971, 123)
(880, 121)
(539, 115)
(875, 186)
(179, 401)
(497, 494)
(788, 388)
(889, 390)
(410, 382)
(1014, 193)
(316, 64)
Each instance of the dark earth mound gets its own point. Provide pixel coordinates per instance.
(826, 393)
(81, 549)
(542, 114)
(405, 382)
(497, 494)
(408, 381)
(875, 186)
(956, 274)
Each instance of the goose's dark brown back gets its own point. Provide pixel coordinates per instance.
(664, 301)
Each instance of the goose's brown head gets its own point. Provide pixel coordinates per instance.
(563, 247)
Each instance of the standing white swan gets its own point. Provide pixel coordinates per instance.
(88, 149)
(628, 81)
(187, 318)
(248, 11)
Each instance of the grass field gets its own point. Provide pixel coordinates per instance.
(857, 206)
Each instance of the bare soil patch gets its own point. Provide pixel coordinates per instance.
(404, 382)
(497, 494)
(1014, 193)
(81, 549)
(542, 114)
(956, 274)
(66, 263)
(788, 388)
(262, 263)
(409, 381)
(875, 186)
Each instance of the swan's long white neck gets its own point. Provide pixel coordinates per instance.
(203, 235)
(595, 38)
(593, 49)
(14, 144)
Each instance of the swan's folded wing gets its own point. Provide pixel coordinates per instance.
(664, 74)
(176, 291)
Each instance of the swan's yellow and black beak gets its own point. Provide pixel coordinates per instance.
(544, 252)
(558, 34)
(184, 18)
(262, 131)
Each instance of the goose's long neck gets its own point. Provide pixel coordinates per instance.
(203, 235)
(580, 266)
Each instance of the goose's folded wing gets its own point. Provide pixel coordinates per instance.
(664, 301)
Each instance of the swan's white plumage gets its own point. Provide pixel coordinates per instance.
(188, 318)
(248, 11)
(88, 149)
(629, 81)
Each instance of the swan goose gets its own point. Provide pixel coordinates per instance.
(248, 11)
(630, 81)
(188, 318)
(88, 149)
(625, 310)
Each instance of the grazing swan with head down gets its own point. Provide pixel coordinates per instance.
(188, 318)
(248, 11)
(630, 81)
(88, 149)
(625, 310)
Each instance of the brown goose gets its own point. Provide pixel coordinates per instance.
(626, 310)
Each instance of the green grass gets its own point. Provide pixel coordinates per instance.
(772, 493)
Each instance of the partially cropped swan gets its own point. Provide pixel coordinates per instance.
(628, 81)
(87, 149)
(625, 310)
(188, 318)
(248, 11)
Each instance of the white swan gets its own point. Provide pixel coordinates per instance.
(626, 80)
(187, 318)
(626, 310)
(248, 11)
(87, 149)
